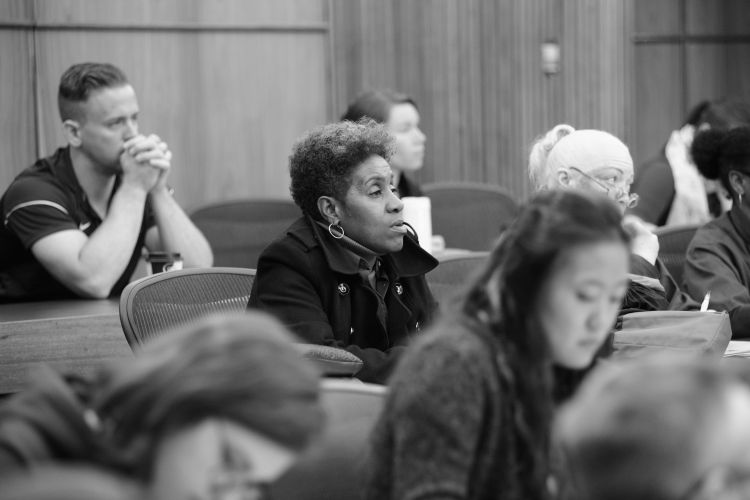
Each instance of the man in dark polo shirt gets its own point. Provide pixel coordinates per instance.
(74, 223)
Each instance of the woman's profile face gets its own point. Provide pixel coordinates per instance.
(370, 211)
(403, 124)
(215, 460)
(580, 299)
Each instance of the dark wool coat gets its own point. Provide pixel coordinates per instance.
(718, 260)
(307, 279)
(447, 429)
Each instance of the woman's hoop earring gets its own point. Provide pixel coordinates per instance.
(336, 231)
(740, 197)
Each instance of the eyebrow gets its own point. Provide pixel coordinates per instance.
(377, 178)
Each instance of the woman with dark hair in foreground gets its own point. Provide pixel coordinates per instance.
(469, 410)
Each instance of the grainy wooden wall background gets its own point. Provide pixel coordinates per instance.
(231, 83)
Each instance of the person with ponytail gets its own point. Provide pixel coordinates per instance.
(597, 161)
(399, 113)
(718, 258)
(212, 410)
(470, 405)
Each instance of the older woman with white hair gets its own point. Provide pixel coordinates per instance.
(595, 160)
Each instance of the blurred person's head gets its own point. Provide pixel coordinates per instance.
(591, 160)
(341, 177)
(725, 155)
(557, 276)
(214, 408)
(398, 112)
(99, 110)
(658, 428)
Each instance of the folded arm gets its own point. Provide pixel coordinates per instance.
(91, 265)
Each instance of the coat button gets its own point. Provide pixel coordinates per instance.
(399, 289)
(343, 288)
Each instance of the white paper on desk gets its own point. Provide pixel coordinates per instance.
(738, 348)
(418, 213)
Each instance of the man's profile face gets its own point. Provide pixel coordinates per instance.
(109, 117)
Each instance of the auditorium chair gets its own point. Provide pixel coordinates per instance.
(453, 274)
(239, 230)
(673, 245)
(335, 466)
(469, 215)
(159, 302)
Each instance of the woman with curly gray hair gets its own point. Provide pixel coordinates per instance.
(349, 273)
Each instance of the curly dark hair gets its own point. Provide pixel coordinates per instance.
(323, 160)
(718, 152)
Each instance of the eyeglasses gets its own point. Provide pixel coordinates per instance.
(617, 193)
(232, 480)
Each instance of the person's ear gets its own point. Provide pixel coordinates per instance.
(72, 130)
(737, 182)
(330, 209)
(563, 177)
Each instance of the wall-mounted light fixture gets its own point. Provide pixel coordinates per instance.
(550, 57)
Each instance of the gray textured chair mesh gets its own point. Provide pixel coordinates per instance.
(673, 245)
(159, 302)
(469, 215)
(238, 231)
(335, 466)
(452, 275)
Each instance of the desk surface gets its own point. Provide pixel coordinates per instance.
(71, 335)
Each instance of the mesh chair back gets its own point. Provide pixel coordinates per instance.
(453, 274)
(162, 301)
(238, 231)
(157, 303)
(335, 466)
(673, 245)
(469, 215)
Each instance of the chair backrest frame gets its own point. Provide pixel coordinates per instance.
(453, 274)
(673, 244)
(239, 230)
(469, 215)
(236, 283)
(335, 466)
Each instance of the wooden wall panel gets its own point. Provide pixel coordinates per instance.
(17, 136)
(228, 84)
(656, 17)
(738, 70)
(687, 51)
(596, 62)
(474, 67)
(16, 11)
(200, 13)
(229, 111)
(659, 103)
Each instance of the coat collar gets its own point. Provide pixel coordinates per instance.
(741, 223)
(412, 260)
